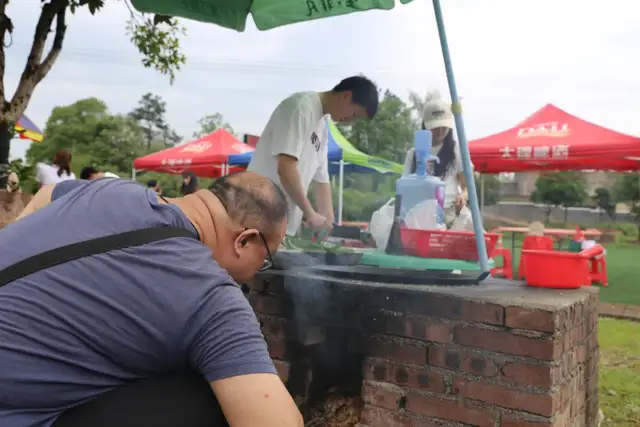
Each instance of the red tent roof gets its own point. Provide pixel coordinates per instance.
(206, 157)
(552, 139)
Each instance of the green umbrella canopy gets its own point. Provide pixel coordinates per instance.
(267, 14)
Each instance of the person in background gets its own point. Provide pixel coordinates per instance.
(189, 183)
(90, 173)
(438, 118)
(292, 150)
(153, 335)
(58, 171)
(153, 184)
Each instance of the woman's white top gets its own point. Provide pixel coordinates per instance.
(48, 174)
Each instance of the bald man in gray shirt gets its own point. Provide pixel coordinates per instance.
(83, 332)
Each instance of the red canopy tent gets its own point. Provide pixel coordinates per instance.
(210, 156)
(552, 139)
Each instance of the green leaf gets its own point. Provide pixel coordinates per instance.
(158, 41)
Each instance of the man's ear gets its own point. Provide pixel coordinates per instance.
(244, 238)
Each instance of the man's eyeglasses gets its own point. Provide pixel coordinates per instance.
(268, 262)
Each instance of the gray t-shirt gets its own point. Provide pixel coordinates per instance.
(71, 332)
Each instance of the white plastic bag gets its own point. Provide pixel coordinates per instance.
(463, 221)
(381, 223)
(423, 216)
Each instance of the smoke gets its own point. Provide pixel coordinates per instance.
(310, 296)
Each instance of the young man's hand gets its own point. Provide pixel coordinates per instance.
(316, 221)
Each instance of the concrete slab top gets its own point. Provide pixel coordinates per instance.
(496, 291)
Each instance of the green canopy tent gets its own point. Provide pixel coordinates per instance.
(343, 158)
(268, 14)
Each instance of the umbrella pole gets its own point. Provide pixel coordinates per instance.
(481, 193)
(462, 139)
(340, 191)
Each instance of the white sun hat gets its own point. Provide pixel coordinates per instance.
(437, 114)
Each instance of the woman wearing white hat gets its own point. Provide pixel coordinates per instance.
(438, 118)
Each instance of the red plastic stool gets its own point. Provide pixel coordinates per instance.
(507, 261)
(538, 243)
(598, 268)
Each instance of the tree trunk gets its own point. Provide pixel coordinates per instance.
(566, 214)
(5, 145)
(547, 213)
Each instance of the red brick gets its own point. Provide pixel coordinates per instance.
(438, 332)
(378, 417)
(398, 350)
(509, 421)
(283, 370)
(404, 375)
(450, 410)
(506, 342)
(422, 328)
(477, 311)
(541, 404)
(268, 304)
(277, 349)
(258, 283)
(529, 374)
(560, 419)
(382, 395)
(274, 327)
(462, 361)
(535, 320)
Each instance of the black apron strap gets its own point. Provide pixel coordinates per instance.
(89, 247)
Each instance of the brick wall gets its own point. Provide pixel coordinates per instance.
(498, 355)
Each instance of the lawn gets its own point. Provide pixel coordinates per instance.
(623, 270)
(619, 372)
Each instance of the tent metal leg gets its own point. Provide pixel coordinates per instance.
(462, 139)
(341, 192)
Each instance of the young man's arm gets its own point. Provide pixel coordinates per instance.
(292, 182)
(228, 348)
(322, 188)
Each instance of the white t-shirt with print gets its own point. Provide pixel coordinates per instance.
(296, 128)
(451, 185)
(48, 174)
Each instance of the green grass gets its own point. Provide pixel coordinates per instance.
(619, 372)
(623, 269)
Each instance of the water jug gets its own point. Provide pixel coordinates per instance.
(420, 188)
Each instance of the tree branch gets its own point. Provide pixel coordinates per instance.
(6, 26)
(35, 70)
(56, 48)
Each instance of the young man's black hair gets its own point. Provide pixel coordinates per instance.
(363, 93)
(88, 172)
(152, 183)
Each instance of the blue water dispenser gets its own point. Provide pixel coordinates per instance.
(419, 187)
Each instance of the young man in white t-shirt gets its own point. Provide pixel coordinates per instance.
(292, 150)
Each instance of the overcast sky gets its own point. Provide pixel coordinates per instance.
(510, 58)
